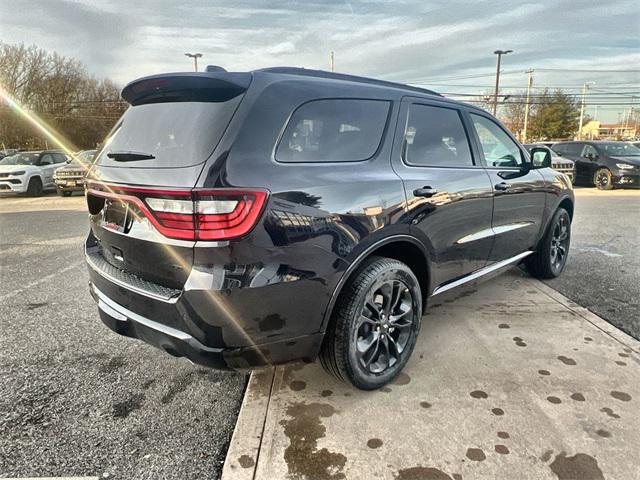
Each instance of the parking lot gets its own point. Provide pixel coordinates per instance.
(79, 400)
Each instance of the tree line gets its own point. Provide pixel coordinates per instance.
(76, 105)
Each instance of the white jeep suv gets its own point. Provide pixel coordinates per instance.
(30, 172)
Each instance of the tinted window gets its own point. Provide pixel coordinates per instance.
(435, 136)
(177, 134)
(59, 158)
(334, 131)
(572, 149)
(589, 150)
(47, 159)
(498, 148)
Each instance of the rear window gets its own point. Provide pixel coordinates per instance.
(177, 134)
(336, 130)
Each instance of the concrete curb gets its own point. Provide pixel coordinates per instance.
(589, 316)
(242, 457)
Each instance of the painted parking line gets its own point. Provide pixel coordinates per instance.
(54, 478)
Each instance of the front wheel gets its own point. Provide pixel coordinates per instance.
(602, 179)
(34, 189)
(375, 324)
(551, 256)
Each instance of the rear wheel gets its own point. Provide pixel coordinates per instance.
(374, 325)
(602, 179)
(551, 256)
(67, 193)
(34, 189)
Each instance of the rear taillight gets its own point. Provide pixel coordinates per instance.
(198, 214)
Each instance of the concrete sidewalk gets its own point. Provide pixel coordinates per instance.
(509, 381)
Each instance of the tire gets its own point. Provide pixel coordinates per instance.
(345, 352)
(67, 193)
(551, 255)
(602, 179)
(34, 189)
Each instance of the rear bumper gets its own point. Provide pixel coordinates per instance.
(181, 344)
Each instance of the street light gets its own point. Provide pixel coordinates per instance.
(195, 57)
(495, 96)
(584, 92)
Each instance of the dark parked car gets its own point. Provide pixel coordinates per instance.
(70, 178)
(603, 164)
(244, 219)
(558, 163)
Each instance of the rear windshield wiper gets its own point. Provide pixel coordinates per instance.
(124, 156)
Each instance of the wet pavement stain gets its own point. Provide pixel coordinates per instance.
(609, 412)
(554, 400)
(623, 355)
(502, 449)
(504, 325)
(580, 466)
(544, 372)
(546, 456)
(578, 397)
(386, 390)
(622, 396)
(621, 363)
(304, 428)
(479, 394)
(422, 473)
(401, 379)
(114, 364)
(457, 476)
(567, 360)
(588, 339)
(374, 443)
(297, 385)
(246, 461)
(33, 306)
(123, 409)
(425, 404)
(503, 435)
(519, 342)
(603, 433)
(326, 393)
(180, 384)
(497, 411)
(476, 454)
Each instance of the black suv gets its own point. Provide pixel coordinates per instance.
(254, 218)
(603, 164)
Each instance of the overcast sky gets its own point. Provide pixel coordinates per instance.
(415, 41)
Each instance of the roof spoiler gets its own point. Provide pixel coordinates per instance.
(187, 87)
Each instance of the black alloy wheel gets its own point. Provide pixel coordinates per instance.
(550, 256)
(374, 325)
(384, 327)
(602, 179)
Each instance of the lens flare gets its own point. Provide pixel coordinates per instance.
(70, 149)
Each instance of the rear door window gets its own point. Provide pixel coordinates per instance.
(176, 134)
(435, 137)
(334, 130)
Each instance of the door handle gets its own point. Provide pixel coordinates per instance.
(425, 191)
(502, 186)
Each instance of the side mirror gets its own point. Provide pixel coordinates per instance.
(540, 157)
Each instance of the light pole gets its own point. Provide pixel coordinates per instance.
(584, 92)
(195, 57)
(495, 96)
(526, 108)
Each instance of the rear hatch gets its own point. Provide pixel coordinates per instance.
(140, 190)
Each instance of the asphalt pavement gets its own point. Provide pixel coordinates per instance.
(603, 269)
(76, 399)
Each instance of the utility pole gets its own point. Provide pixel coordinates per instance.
(332, 60)
(526, 108)
(195, 57)
(584, 93)
(495, 96)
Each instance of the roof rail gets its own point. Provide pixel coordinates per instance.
(343, 76)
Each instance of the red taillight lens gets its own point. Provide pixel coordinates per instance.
(198, 214)
(223, 213)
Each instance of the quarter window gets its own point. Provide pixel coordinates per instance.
(435, 137)
(589, 150)
(498, 148)
(336, 130)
